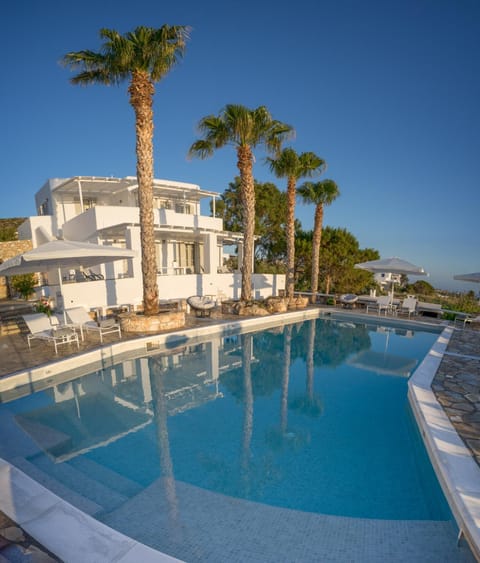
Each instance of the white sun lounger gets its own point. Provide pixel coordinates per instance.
(41, 328)
(430, 308)
(79, 318)
(467, 319)
(382, 303)
(408, 306)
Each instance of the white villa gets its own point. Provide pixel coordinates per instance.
(189, 246)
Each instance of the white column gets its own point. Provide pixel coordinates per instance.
(211, 254)
(80, 195)
(240, 255)
(132, 239)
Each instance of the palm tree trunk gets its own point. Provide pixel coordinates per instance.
(141, 98)
(290, 231)
(317, 239)
(247, 189)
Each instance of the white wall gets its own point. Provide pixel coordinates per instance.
(103, 293)
(34, 227)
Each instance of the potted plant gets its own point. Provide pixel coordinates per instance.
(24, 284)
(44, 306)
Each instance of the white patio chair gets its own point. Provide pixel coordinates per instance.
(468, 320)
(382, 303)
(79, 318)
(408, 306)
(41, 328)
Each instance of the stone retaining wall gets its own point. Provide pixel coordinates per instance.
(169, 320)
(9, 249)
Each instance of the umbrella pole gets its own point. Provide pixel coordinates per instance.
(61, 293)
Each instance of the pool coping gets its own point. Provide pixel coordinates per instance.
(49, 519)
(456, 469)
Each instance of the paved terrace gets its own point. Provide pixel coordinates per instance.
(456, 386)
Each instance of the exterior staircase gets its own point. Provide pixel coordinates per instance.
(11, 312)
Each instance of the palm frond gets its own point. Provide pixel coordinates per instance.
(311, 164)
(276, 134)
(285, 164)
(323, 192)
(147, 49)
(215, 131)
(201, 149)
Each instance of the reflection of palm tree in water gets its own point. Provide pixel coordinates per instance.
(247, 429)
(308, 403)
(157, 374)
(287, 352)
(280, 436)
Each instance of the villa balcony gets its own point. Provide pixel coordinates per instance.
(98, 218)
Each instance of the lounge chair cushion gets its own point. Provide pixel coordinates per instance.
(201, 302)
(107, 323)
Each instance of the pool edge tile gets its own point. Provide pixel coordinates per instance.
(457, 471)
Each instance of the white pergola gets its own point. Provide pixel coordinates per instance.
(90, 186)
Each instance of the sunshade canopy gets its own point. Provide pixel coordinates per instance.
(392, 265)
(62, 254)
(475, 277)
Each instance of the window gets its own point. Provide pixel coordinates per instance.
(43, 208)
(161, 203)
(183, 208)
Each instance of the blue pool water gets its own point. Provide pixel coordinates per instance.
(311, 416)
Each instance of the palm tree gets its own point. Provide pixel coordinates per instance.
(244, 129)
(320, 194)
(143, 56)
(292, 166)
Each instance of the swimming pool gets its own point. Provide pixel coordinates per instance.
(310, 418)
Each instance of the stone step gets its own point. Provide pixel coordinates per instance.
(49, 482)
(80, 482)
(9, 326)
(106, 476)
(11, 320)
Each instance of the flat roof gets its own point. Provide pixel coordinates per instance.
(96, 185)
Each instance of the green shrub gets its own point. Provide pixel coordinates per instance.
(24, 284)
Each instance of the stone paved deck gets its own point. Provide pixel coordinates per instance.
(456, 385)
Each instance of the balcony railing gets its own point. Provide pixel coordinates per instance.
(102, 217)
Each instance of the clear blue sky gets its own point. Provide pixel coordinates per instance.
(386, 91)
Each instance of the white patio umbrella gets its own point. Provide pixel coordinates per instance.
(468, 277)
(58, 254)
(384, 364)
(392, 265)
